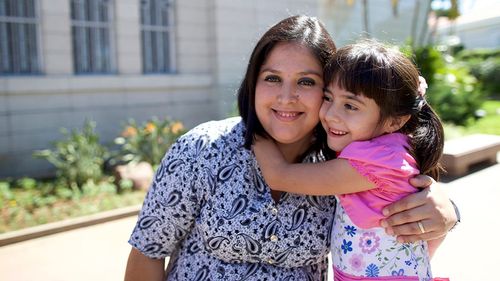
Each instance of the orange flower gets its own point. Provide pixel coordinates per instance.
(177, 127)
(129, 132)
(150, 127)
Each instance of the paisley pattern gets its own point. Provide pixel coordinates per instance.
(210, 210)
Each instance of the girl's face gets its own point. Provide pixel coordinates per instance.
(288, 95)
(347, 117)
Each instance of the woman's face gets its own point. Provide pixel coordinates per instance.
(289, 93)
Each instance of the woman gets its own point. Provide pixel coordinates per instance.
(209, 209)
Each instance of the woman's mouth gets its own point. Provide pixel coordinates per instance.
(286, 115)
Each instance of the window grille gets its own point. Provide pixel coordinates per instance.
(157, 21)
(91, 31)
(19, 52)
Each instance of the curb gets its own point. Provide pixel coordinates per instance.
(65, 225)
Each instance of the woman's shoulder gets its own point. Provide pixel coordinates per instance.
(206, 136)
(216, 128)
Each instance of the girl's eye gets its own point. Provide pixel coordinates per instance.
(350, 107)
(271, 78)
(327, 98)
(307, 82)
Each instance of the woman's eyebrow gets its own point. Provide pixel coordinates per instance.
(311, 72)
(268, 69)
(305, 72)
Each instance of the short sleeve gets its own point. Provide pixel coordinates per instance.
(171, 204)
(386, 162)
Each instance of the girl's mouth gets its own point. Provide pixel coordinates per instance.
(337, 132)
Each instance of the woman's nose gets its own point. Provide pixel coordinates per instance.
(288, 93)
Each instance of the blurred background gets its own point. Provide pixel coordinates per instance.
(93, 92)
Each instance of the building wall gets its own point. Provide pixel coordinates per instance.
(213, 42)
(480, 33)
(345, 21)
(34, 108)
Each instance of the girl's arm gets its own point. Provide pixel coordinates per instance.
(327, 178)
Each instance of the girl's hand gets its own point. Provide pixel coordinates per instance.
(431, 207)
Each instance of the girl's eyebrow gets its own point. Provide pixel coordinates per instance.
(349, 96)
(354, 98)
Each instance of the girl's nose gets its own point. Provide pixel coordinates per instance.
(331, 114)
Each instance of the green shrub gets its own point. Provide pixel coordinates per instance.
(429, 61)
(26, 183)
(78, 158)
(485, 66)
(5, 193)
(453, 92)
(147, 142)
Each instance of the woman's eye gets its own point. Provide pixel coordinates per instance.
(271, 78)
(327, 98)
(307, 82)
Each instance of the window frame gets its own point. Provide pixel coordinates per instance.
(35, 65)
(170, 62)
(91, 28)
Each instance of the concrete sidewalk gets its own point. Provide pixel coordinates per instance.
(100, 252)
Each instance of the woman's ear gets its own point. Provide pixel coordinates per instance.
(396, 123)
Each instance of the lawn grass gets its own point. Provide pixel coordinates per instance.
(14, 218)
(489, 124)
(24, 208)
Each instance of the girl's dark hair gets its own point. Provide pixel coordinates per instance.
(385, 75)
(307, 31)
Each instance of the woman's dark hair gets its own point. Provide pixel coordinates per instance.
(307, 31)
(385, 75)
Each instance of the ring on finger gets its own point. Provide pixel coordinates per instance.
(421, 227)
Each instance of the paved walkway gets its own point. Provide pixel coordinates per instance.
(100, 252)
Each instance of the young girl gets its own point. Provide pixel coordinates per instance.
(384, 133)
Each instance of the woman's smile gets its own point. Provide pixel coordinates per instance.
(287, 116)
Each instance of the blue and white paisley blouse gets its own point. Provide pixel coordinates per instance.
(210, 210)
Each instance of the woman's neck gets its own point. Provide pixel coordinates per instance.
(293, 151)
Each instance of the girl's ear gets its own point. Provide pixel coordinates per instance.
(395, 123)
